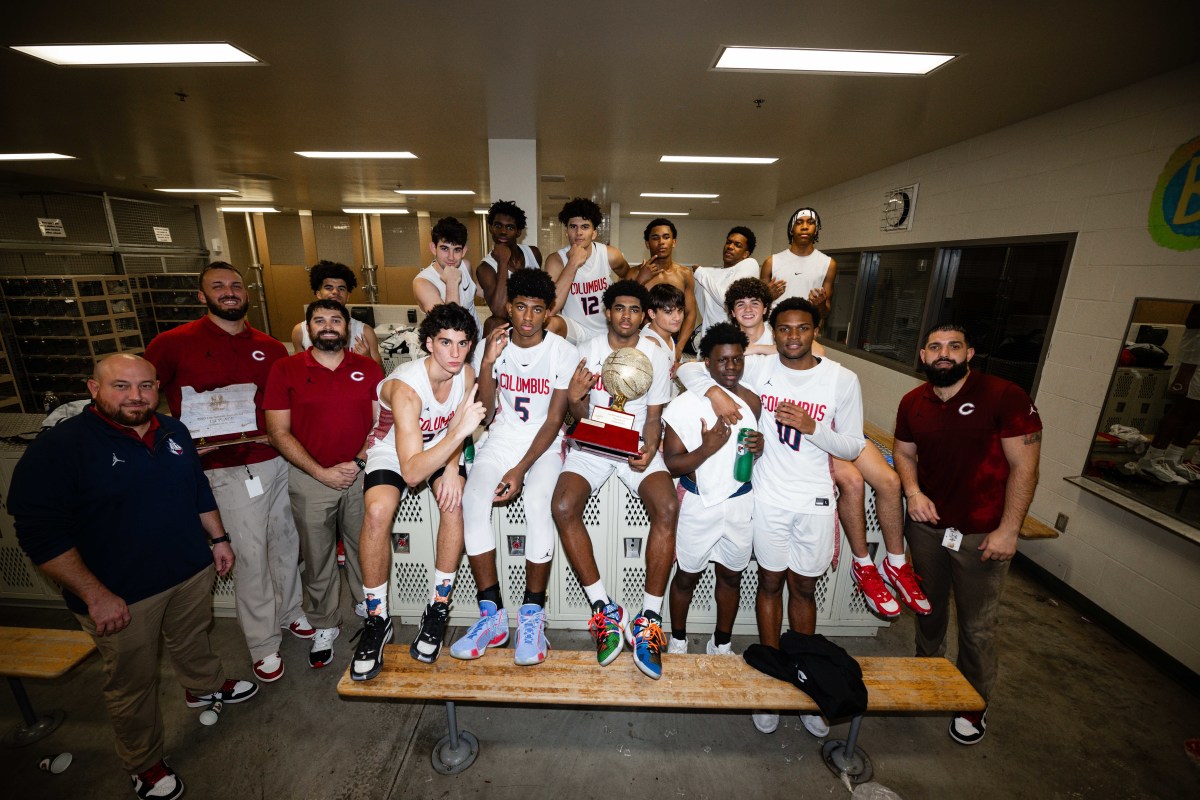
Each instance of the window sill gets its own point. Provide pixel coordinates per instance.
(1140, 510)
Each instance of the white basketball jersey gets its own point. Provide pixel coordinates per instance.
(711, 285)
(435, 416)
(466, 291)
(595, 350)
(802, 273)
(526, 251)
(714, 476)
(356, 332)
(526, 378)
(585, 302)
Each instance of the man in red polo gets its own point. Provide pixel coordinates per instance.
(215, 362)
(320, 406)
(967, 447)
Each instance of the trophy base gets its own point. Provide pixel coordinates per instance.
(610, 441)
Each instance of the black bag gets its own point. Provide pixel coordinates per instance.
(818, 667)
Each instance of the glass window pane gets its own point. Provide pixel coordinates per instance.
(845, 285)
(893, 304)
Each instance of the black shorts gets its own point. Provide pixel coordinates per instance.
(387, 477)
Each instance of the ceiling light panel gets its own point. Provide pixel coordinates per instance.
(128, 55)
(248, 209)
(658, 213)
(375, 211)
(716, 160)
(350, 154)
(681, 195)
(798, 59)
(434, 191)
(198, 191)
(33, 156)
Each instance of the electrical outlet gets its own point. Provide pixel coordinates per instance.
(1060, 524)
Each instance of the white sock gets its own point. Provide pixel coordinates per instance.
(863, 561)
(441, 589)
(897, 561)
(652, 603)
(1153, 454)
(376, 600)
(596, 594)
(1173, 453)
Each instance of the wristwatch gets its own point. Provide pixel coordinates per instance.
(222, 538)
(361, 463)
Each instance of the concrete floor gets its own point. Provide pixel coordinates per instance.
(1076, 715)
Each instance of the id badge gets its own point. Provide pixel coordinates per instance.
(254, 488)
(952, 539)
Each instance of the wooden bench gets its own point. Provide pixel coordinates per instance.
(568, 677)
(38, 653)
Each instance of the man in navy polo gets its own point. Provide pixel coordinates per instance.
(320, 405)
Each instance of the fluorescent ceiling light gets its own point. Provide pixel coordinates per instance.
(433, 191)
(111, 55)
(680, 194)
(799, 59)
(481, 212)
(716, 160)
(658, 213)
(392, 210)
(198, 191)
(32, 156)
(248, 209)
(355, 154)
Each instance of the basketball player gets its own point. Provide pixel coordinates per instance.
(448, 278)
(714, 517)
(665, 315)
(811, 409)
(528, 369)
(506, 224)
(427, 409)
(802, 270)
(331, 281)
(582, 271)
(713, 282)
(584, 473)
(659, 268)
(747, 301)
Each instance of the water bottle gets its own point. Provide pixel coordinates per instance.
(743, 464)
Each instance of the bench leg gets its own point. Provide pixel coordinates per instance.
(457, 750)
(35, 727)
(845, 757)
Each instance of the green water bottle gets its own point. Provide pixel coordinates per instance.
(469, 450)
(743, 465)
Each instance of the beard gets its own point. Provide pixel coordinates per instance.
(328, 344)
(130, 417)
(230, 314)
(946, 377)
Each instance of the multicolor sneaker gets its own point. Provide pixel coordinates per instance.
(648, 644)
(874, 592)
(490, 630)
(160, 782)
(968, 727)
(428, 644)
(531, 635)
(907, 584)
(607, 626)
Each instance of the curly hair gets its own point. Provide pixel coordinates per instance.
(509, 209)
(531, 283)
(581, 207)
(796, 304)
(719, 334)
(447, 317)
(748, 289)
(331, 269)
(626, 288)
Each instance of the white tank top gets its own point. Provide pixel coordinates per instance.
(356, 331)
(466, 292)
(526, 252)
(802, 273)
(712, 283)
(595, 350)
(585, 303)
(526, 378)
(435, 416)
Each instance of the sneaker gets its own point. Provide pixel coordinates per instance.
(908, 587)
(714, 649)
(368, 655)
(300, 628)
(159, 782)
(531, 635)
(490, 630)
(341, 553)
(815, 724)
(269, 669)
(648, 642)
(322, 647)
(608, 625)
(428, 644)
(1161, 470)
(1186, 470)
(360, 609)
(968, 727)
(766, 723)
(231, 691)
(874, 592)
(677, 647)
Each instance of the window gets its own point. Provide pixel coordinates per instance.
(845, 284)
(893, 289)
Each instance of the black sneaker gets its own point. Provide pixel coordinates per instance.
(968, 727)
(231, 691)
(368, 656)
(428, 644)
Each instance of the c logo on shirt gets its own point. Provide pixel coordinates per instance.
(356, 376)
(259, 355)
(966, 408)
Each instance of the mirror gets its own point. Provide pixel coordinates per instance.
(1144, 446)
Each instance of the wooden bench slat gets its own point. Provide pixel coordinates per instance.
(691, 681)
(41, 652)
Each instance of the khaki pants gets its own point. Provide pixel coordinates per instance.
(320, 512)
(181, 617)
(977, 586)
(263, 534)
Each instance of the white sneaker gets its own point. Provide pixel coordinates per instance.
(815, 724)
(1160, 468)
(321, 652)
(766, 723)
(1186, 470)
(714, 649)
(677, 647)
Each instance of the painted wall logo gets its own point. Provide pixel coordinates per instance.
(1175, 207)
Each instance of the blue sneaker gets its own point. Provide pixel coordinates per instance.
(490, 630)
(531, 635)
(648, 644)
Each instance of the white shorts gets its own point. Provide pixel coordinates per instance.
(785, 539)
(720, 533)
(596, 469)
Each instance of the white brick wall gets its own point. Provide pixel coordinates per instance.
(1089, 168)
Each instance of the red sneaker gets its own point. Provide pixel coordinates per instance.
(160, 781)
(874, 592)
(908, 587)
